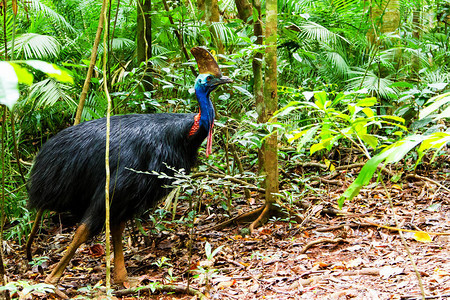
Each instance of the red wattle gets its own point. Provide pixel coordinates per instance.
(209, 140)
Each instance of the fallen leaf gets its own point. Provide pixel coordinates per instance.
(226, 284)
(389, 271)
(422, 236)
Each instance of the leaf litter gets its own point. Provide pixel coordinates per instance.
(355, 255)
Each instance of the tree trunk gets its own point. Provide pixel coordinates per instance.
(417, 29)
(244, 9)
(87, 81)
(270, 144)
(385, 18)
(144, 38)
(212, 16)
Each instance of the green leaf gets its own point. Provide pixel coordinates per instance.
(436, 140)
(395, 118)
(371, 140)
(307, 137)
(444, 114)
(321, 99)
(402, 147)
(244, 91)
(367, 102)
(316, 147)
(363, 178)
(402, 84)
(369, 112)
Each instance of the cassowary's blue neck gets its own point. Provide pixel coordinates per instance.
(206, 108)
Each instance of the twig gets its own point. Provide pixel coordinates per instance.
(232, 179)
(360, 165)
(402, 238)
(415, 176)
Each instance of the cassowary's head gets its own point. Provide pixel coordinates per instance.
(210, 75)
(206, 83)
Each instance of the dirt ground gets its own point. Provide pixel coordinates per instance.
(355, 255)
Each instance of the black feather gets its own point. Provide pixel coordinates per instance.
(69, 171)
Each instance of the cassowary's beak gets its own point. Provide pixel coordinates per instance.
(222, 80)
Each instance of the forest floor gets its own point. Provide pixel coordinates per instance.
(355, 255)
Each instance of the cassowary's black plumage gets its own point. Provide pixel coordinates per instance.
(69, 172)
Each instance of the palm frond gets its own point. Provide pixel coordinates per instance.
(37, 6)
(224, 34)
(337, 61)
(373, 83)
(33, 45)
(317, 32)
(48, 91)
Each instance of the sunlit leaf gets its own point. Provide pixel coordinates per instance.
(9, 92)
(436, 102)
(51, 70)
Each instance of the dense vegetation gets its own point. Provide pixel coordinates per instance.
(354, 78)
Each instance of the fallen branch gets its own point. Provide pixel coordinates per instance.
(327, 181)
(329, 211)
(161, 289)
(242, 218)
(426, 297)
(320, 241)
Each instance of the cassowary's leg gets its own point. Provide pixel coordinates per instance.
(81, 236)
(32, 235)
(120, 272)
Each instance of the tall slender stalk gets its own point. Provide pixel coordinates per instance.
(108, 173)
(2, 215)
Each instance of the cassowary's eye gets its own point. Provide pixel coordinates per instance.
(209, 78)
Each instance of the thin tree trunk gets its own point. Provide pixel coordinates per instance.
(179, 38)
(417, 28)
(87, 81)
(144, 38)
(270, 144)
(257, 64)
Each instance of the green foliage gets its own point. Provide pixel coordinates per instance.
(24, 289)
(398, 150)
(352, 117)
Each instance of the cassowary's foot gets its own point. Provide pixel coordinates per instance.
(54, 281)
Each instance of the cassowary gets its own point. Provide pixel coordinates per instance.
(68, 174)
